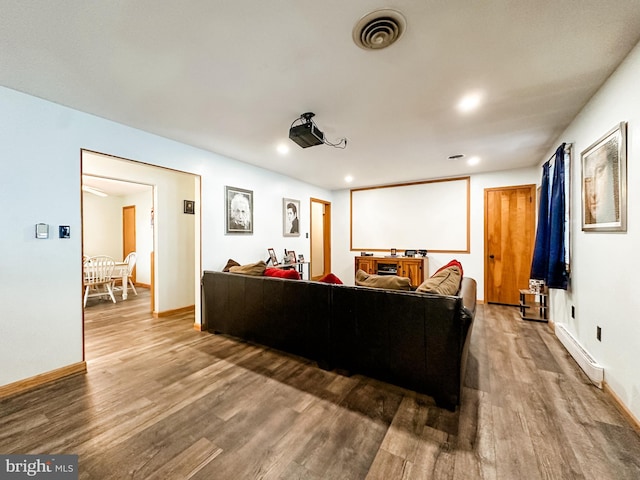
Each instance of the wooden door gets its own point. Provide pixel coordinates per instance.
(509, 239)
(129, 234)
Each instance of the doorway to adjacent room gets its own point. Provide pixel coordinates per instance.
(320, 238)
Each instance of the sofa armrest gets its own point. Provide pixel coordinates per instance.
(468, 292)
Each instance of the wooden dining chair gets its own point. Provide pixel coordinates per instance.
(98, 271)
(130, 260)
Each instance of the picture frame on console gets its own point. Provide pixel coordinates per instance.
(272, 256)
(239, 207)
(290, 217)
(604, 182)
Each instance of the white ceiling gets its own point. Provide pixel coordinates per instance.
(231, 76)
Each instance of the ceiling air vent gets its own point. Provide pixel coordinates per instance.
(379, 29)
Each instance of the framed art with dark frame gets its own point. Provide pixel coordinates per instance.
(239, 207)
(290, 217)
(189, 207)
(604, 182)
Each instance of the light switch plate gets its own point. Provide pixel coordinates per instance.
(42, 230)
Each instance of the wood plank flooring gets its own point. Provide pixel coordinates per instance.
(163, 401)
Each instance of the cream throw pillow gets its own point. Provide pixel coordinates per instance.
(389, 282)
(444, 282)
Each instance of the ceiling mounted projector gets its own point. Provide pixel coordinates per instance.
(307, 134)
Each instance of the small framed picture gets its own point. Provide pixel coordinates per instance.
(189, 207)
(239, 206)
(301, 258)
(290, 217)
(272, 256)
(291, 256)
(393, 252)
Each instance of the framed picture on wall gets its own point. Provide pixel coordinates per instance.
(290, 217)
(189, 207)
(604, 182)
(239, 206)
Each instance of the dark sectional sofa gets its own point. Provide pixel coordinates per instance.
(415, 340)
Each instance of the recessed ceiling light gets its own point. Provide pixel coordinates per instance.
(283, 149)
(348, 179)
(469, 102)
(473, 160)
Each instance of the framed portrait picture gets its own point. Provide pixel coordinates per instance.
(604, 182)
(272, 256)
(290, 217)
(291, 256)
(239, 207)
(189, 207)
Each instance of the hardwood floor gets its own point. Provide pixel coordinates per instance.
(161, 400)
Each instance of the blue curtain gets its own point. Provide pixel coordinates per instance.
(549, 252)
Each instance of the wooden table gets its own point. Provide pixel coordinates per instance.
(121, 270)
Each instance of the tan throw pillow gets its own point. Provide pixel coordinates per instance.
(389, 282)
(256, 269)
(444, 282)
(230, 263)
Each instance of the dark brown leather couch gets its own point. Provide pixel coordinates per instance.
(414, 340)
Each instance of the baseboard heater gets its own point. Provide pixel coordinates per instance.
(591, 368)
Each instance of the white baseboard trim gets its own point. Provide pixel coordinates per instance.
(591, 368)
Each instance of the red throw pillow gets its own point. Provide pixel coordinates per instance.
(331, 278)
(452, 263)
(291, 273)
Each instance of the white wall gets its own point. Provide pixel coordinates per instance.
(268, 191)
(40, 281)
(604, 265)
(102, 225)
(473, 262)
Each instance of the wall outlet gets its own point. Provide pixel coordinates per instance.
(573, 311)
(599, 333)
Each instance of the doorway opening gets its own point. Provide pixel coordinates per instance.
(320, 241)
(167, 239)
